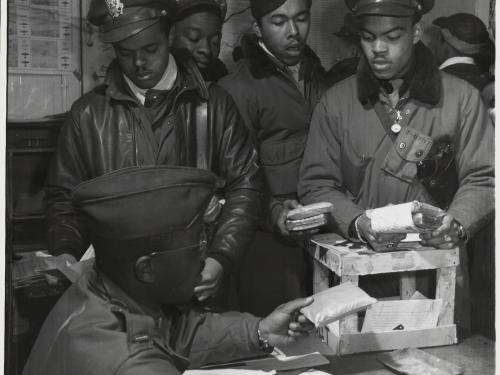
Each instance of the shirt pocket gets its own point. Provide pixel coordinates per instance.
(281, 163)
(410, 148)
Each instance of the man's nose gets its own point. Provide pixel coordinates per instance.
(139, 60)
(292, 29)
(379, 47)
(204, 47)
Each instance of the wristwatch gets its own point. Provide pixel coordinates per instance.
(462, 234)
(264, 343)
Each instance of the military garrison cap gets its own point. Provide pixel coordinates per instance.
(121, 19)
(187, 7)
(260, 8)
(395, 8)
(138, 210)
(465, 32)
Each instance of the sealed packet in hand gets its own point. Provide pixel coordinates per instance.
(411, 217)
(308, 217)
(336, 303)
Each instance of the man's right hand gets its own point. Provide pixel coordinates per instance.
(376, 240)
(279, 221)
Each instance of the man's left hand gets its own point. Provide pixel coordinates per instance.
(447, 236)
(211, 277)
(286, 323)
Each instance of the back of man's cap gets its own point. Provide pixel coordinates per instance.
(121, 19)
(262, 7)
(393, 8)
(464, 32)
(187, 7)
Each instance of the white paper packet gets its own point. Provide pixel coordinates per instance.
(335, 303)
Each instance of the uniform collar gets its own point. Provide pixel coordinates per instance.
(188, 73)
(424, 84)
(292, 70)
(457, 60)
(262, 63)
(166, 82)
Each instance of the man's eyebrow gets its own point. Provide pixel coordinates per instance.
(195, 28)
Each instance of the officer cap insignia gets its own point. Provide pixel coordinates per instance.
(115, 7)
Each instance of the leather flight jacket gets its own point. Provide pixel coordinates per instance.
(108, 129)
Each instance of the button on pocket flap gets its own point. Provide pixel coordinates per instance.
(412, 145)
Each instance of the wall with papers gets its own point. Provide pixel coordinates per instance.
(43, 57)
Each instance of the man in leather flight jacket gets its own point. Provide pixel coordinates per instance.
(148, 113)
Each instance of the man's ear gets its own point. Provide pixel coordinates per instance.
(417, 32)
(256, 28)
(144, 270)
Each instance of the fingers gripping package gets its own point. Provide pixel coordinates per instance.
(308, 217)
(411, 217)
(336, 303)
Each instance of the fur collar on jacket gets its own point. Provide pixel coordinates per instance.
(425, 82)
(261, 65)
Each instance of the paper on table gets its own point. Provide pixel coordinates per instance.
(229, 371)
(386, 316)
(393, 219)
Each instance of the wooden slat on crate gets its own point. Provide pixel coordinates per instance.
(345, 261)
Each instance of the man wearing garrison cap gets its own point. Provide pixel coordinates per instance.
(134, 313)
(401, 130)
(276, 86)
(154, 109)
(462, 46)
(198, 31)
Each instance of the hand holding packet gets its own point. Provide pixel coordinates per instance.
(336, 303)
(411, 217)
(308, 217)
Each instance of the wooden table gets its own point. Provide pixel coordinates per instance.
(476, 354)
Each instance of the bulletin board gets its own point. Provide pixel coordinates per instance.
(41, 36)
(43, 63)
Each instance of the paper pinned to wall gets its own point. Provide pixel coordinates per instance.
(41, 35)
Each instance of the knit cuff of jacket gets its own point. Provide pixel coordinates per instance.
(68, 246)
(225, 262)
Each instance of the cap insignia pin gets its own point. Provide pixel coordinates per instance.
(115, 7)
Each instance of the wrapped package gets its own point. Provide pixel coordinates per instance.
(308, 217)
(336, 303)
(411, 217)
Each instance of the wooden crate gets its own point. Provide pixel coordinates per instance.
(331, 254)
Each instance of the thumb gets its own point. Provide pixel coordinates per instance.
(295, 305)
(291, 204)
